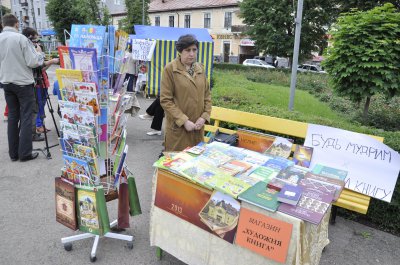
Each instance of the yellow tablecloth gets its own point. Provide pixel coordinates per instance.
(193, 245)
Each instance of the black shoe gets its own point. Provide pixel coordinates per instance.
(37, 138)
(14, 159)
(31, 157)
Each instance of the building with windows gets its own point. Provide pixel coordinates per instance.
(117, 10)
(220, 17)
(31, 13)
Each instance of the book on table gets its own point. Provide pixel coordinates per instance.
(302, 156)
(327, 183)
(290, 194)
(313, 203)
(276, 184)
(292, 175)
(280, 147)
(261, 196)
(329, 172)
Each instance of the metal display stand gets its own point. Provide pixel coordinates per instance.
(67, 241)
(109, 183)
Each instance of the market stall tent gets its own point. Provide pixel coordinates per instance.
(165, 51)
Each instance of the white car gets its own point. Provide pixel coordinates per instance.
(310, 68)
(257, 63)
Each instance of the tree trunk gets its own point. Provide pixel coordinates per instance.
(366, 107)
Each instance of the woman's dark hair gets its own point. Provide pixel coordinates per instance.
(9, 20)
(29, 32)
(186, 41)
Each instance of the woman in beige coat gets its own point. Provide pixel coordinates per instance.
(185, 97)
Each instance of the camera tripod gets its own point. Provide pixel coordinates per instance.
(43, 95)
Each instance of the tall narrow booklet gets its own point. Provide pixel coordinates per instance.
(302, 156)
(92, 210)
(65, 203)
(261, 196)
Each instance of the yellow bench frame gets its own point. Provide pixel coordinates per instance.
(348, 199)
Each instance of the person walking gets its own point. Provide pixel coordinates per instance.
(17, 58)
(185, 97)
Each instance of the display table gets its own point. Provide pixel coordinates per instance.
(194, 245)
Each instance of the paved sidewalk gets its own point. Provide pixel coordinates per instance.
(29, 233)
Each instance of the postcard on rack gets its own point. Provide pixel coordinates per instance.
(77, 166)
(65, 60)
(85, 59)
(88, 36)
(66, 79)
(87, 153)
(85, 94)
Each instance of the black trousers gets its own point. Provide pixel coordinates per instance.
(131, 83)
(157, 112)
(20, 100)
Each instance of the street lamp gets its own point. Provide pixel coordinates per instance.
(142, 12)
(295, 60)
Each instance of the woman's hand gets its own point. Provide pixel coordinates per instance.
(189, 126)
(199, 123)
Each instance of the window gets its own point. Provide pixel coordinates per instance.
(171, 21)
(157, 21)
(40, 25)
(187, 21)
(207, 20)
(117, 2)
(228, 20)
(38, 11)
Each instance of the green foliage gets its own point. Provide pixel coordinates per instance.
(94, 12)
(346, 5)
(364, 58)
(272, 25)
(134, 9)
(4, 11)
(63, 14)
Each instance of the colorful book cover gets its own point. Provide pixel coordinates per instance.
(221, 213)
(276, 184)
(215, 155)
(88, 36)
(86, 94)
(255, 141)
(278, 163)
(92, 210)
(255, 157)
(66, 79)
(228, 185)
(65, 60)
(264, 174)
(290, 194)
(302, 156)
(337, 184)
(77, 166)
(178, 160)
(88, 137)
(261, 196)
(312, 206)
(280, 147)
(330, 172)
(65, 203)
(85, 59)
(69, 137)
(292, 175)
(199, 170)
(234, 167)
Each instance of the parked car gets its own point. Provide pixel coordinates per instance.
(257, 63)
(310, 68)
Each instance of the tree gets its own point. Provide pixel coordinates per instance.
(364, 58)
(272, 25)
(346, 5)
(134, 15)
(63, 14)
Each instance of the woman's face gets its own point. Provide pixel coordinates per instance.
(189, 55)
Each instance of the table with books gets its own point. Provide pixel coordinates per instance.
(218, 204)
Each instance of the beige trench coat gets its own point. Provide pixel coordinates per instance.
(183, 98)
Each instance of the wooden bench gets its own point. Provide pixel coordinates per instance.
(348, 199)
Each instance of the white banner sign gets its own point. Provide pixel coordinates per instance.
(143, 49)
(372, 166)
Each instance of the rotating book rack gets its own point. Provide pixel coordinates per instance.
(93, 135)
